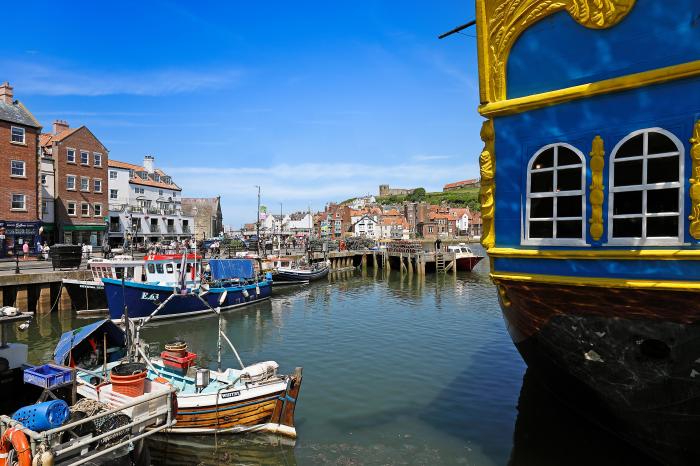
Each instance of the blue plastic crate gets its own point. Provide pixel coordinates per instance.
(48, 375)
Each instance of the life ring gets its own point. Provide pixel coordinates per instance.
(14, 439)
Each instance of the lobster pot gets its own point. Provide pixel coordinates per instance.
(43, 416)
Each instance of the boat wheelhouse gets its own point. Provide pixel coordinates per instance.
(590, 200)
(464, 256)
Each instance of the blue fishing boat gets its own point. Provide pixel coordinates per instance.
(173, 287)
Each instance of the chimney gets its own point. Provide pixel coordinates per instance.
(149, 164)
(6, 93)
(60, 126)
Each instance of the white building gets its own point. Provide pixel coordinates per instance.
(47, 174)
(394, 227)
(367, 227)
(362, 202)
(145, 204)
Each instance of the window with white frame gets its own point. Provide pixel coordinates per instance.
(19, 202)
(70, 182)
(97, 185)
(17, 168)
(70, 155)
(646, 193)
(97, 210)
(84, 183)
(43, 179)
(113, 193)
(85, 209)
(112, 174)
(84, 157)
(17, 135)
(97, 159)
(139, 190)
(44, 207)
(555, 196)
(70, 207)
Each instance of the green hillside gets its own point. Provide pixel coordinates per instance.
(465, 197)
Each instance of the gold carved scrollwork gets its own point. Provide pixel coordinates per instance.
(596, 196)
(694, 216)
(487, 169)
(500, 23)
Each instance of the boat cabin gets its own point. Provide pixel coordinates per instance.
(120, 266)
(165, 269)
(459, 248)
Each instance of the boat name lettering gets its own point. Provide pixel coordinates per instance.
(230, 394)
(149, 296)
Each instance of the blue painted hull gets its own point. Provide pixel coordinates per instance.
(143, 298)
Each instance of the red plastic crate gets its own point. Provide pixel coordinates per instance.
(180, 365)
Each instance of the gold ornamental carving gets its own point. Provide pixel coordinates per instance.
(694, 216)
(487, 169)
(596, 195)
(500, 23)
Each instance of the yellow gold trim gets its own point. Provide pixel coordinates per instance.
(596, 196)
(694, 191)
(626, 254)
(599, 282)
(500, 23)
(621, 83)
(487, 192)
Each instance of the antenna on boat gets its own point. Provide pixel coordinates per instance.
(222, 300)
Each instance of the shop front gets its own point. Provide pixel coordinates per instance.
(13, 236)
(91, 234)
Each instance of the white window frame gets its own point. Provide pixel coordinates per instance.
(75, 208)
(87, 179)
(86, 153)
(69, 158)
(74, 188)
(115, 192)
(97, 159)
(83, 204)
(112, 174)
(644, 188)
(554, 194)
(94, 210)
(94, 186)
(24, 202)
(43, 179)
(24, 169)
(12, 135)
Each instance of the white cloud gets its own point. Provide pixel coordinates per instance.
(51, 79)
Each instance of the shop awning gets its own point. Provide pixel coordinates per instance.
(84, 227)
(49, 226)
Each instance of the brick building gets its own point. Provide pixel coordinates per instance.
(80, 173)
(19, 168)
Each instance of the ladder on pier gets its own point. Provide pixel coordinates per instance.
(439, 262)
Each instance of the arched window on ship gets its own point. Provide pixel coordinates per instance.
(646, 194)
(555, 197)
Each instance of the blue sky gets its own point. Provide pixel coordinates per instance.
(314, 101)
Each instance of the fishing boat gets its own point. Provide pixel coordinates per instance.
(590, 201)
(89, 295)
(465, 257)
(173, 287)
(298, 273)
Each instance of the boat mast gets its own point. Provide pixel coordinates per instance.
(257, 223)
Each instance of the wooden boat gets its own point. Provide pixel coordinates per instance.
(466, 259)
(590, 201)
(296, 274)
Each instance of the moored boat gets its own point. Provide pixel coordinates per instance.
(464, 256)
(298, 274)
(590, 200)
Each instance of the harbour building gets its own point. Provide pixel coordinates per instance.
(145, 205)
(590, 202)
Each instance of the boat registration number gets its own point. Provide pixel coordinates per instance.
(149, 296)
(230, 394)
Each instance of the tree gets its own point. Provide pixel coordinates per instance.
(417, 195)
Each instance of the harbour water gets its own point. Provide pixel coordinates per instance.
(397, 370)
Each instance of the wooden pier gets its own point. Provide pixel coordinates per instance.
(39, 292)
(406, 261)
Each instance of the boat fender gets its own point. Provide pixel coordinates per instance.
(245, 293)
(44, 456)
(257, 289)
(14, 439)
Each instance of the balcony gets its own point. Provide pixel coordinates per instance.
(135, 209)
(170, 228)
(153, 210)
(186, 229)
(117, 207)
(154, 228)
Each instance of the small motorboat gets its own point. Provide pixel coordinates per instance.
(298, 273)
(466, 259)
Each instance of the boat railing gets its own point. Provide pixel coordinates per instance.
(147, 423)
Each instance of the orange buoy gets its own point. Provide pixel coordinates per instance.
(14, 439)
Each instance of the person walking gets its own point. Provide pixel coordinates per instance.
(25, 250)
(438, 243)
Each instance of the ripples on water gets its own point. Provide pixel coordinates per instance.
(397, 370)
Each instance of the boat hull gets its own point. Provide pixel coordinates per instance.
(142, 299)
(85, 295)
(272, 410)
(468, 263)
(635, 353)
(284, 276)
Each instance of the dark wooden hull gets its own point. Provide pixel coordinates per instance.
(633, 352)
(86, 296)
(468, 263)
(299, 277)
